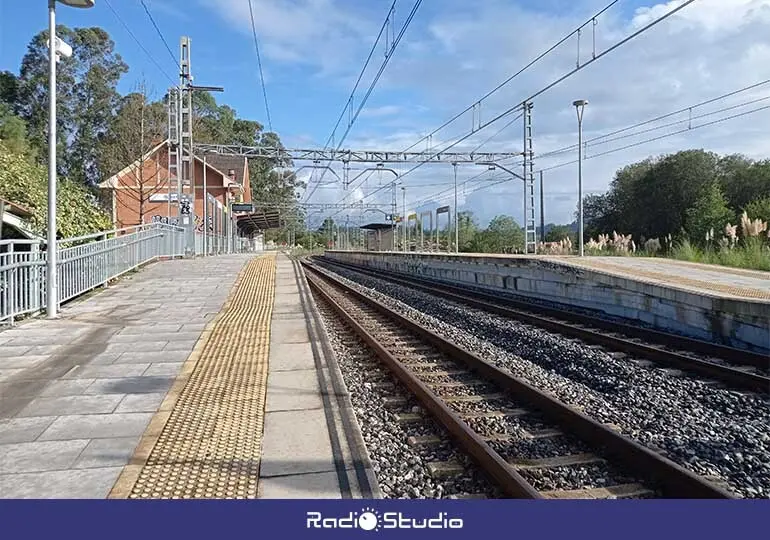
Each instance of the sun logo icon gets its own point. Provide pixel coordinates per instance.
(369, 520)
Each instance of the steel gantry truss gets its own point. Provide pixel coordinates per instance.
(353, 156)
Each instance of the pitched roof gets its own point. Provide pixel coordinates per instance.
(16, 209)
(112, 181)
(229, 163)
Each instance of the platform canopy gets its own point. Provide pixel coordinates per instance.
(257, 221)
(377, 226)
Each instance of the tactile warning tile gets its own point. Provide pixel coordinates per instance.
(205, 442)
(674, 280)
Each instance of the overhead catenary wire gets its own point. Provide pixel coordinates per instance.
(559, 80)
(515, 75)
(146, 52)
(360, 75)
(507, 178)
(259, 65)
(160, 34)
(374, 82)
(682, 110)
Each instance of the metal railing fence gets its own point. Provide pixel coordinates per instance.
(84, 263)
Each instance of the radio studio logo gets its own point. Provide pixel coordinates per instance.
(369, 519)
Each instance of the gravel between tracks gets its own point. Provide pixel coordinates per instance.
(709, 430)
(401, 469)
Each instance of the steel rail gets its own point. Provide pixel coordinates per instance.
(504, 475)
(571, 324)
(674, 480)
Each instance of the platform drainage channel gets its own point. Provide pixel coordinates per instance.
(206, 440)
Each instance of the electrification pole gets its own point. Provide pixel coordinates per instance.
(456, 216)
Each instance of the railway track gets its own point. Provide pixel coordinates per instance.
(530, 444)
(734, 368)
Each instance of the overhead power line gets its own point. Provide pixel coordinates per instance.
(388, 56)
(259, 65)
(130, 33)
(160, 34)
(512, 77)
(690, 108)
(506, 178)
(361, 74)
(560, 79)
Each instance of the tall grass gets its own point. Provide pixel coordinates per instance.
(751, 253)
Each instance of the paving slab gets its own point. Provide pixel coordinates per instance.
(63, 484)
(72, 387)
(151, 357)
(296, 442)
(39, 456)
(68, 405)
(130, 385)
(163, 369)
(141, 402)
(107, 452)
(291, 331)
(301, 486)
(293, 390)
(19, 430)
(96, 426)
(291, 356)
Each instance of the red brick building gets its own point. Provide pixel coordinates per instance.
(140, 192)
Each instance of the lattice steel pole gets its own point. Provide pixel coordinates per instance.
(530, 233)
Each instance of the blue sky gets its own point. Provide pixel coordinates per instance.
(452, 53)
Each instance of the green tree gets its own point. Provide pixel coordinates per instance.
(26, 183)
(746, 183)
(559, 233)
(759, 209)
(86, 97)
(9, 88)
(709, 211)
(503, 235)
(13, 132)
(468, 229)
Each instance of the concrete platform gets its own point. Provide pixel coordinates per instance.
(312, 447)
(720, 304)
(90, 401)
(77, 393)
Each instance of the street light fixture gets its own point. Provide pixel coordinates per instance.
(52, 279)
(580, 105)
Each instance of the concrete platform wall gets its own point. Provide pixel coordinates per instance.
(727, 320)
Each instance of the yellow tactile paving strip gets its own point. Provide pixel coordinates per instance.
(205, 441)
(671, 279)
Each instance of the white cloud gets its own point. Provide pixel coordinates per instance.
(709, 48)
(451, 56)
(323, 34)
(385, 110)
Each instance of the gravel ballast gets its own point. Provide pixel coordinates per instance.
(401, 469)
(707, 429)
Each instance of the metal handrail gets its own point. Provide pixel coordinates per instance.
(104, 256)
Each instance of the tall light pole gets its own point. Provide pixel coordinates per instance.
(457, 221)
(52, 278)
(580, 105)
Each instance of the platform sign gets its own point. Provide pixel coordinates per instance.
(242, 207)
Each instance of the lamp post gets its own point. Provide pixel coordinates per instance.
(52, 279)
(580, 107)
